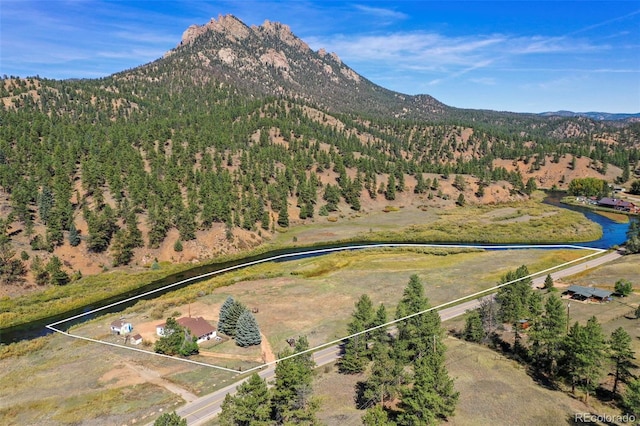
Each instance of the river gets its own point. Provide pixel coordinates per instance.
(614, 233)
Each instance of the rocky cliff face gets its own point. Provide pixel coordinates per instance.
(270, 60)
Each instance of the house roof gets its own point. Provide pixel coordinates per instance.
(589, 291)
(198, 326)
(615, 202)
(119, 323)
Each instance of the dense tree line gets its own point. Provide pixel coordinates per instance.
(120, 150)
(578, 354)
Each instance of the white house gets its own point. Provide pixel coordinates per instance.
(121, 326)
(199, 327)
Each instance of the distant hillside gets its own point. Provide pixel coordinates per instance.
(599, 116)
(242, 131)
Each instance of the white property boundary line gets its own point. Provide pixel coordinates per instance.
(319, 251)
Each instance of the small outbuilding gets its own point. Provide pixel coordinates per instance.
(121, 327)
(591, 294)
(136, 339)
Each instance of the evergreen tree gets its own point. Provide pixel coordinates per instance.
(230, 324)
(432, 396)
(548, 282)
(380, 334)
(390, 193)
(170, 419)
(74, 235)
(473, 331)
(420, 333)
(377, 416)
(623, 287)
(621, 354)
(249, 406)
(56, 275)
(584, 353)
(177, 340)
(283, 215)
(354, 359)
(547, 335)
(631, 398)
(385, 379)
(247, 331)
(224, 311)
(292, 401)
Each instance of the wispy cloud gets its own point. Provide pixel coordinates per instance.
(381, 12)
(426, 50)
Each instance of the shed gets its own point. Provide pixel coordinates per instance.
(121, 326)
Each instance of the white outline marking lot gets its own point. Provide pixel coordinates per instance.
(596, 251)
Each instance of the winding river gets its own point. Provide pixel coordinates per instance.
(613, 234)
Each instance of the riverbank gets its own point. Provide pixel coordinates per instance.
(526, 223)
(618, 216)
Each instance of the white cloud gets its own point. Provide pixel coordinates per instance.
(381, 12)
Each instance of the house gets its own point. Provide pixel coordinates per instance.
(136, 339)
(121, 327)
(199, 327)
(577, 292)
(618, 204)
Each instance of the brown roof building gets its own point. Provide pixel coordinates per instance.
(199, 327)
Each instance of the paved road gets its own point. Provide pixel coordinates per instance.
(203, 409)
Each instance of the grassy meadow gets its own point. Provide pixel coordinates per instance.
(524, 222)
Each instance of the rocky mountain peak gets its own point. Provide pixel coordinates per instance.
(229, 25)
(270, 59)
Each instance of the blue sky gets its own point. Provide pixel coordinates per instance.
(514, 56)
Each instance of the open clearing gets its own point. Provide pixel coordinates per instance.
(320, 291)
(315, 296)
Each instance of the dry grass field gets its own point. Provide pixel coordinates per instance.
(60, 380)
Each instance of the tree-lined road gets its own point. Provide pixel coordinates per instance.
(204, 408)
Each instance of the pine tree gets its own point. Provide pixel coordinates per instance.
(584, 353)
(622, 355)
(377, 416)
(354, 359)
(230, 323)
(292, 399)
(473, 331)
(170, 419)
(390, 193)
(631, 398)
(249, 406)
(224, 312)
(56, 275)
(380, 334)
(420, 333)
(247, 331)
(548, 282)
(547, 335)
(74, 235)
(384, 380)
(283, 215)
(432, 396)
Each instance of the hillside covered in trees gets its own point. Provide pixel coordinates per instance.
(240, 131)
